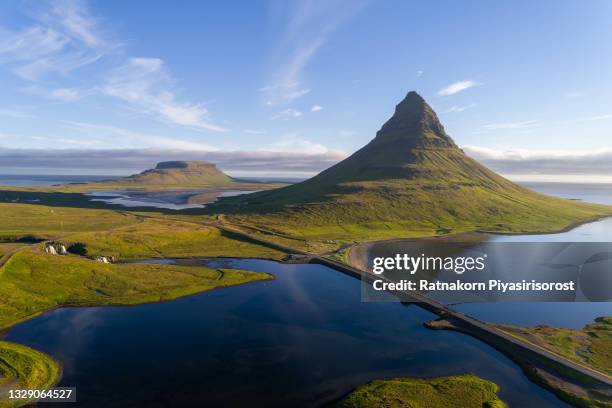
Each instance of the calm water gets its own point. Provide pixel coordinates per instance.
(171, 200)
(572, 315)
(303, 339)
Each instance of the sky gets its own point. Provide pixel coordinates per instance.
(291, 87)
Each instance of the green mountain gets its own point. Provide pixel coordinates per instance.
(185, 173)
(411, 179)
(190, 174)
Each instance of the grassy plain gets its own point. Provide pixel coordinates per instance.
(32, 282)
(27, 220)
(154, 238)
(22, 367)
(591, 345)
(463, 391)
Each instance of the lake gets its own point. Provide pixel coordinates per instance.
(562, 314)
(170, 200)
(304, 339)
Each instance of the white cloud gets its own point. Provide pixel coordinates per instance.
(297, 94)
(17, 114)
(255, 131)
(74, 17)
(309, 26)
(316, 108)
(573, 95)
(144, 83)
(62, 38)
(346, 133)
(98, 131)
(419, 73)
(457, 109)
(457, 87)
(60, 94)
(30, 43)
(65, 94)
(287, 114)
(511, 125)
(292, 143)
(599, 117)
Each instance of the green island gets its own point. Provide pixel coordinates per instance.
(410, 181)
(462, 391)
(21, 368)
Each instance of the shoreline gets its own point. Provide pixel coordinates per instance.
(4, 330)
(360, 251)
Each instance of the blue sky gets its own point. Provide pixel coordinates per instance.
(517, 84)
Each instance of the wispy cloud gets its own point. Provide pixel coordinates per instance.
(293, 143)
(457, 87)
(61, 37)
(573, 94)
(60, 94)
(419, 73)
(104, 132)
(287, 114)
(511, 125)
(255, 131)
(316, 108)
(144, 83)
(344, 133)
(308, 28)
(17, 114)
(457, 108)
(297, 94)
(599, 117)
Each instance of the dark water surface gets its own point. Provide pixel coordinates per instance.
(304, 339)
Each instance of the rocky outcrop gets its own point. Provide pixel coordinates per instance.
(104, 259)
(55, 248)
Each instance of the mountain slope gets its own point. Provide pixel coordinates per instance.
(411, 179)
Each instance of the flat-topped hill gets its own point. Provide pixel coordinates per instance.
(184, 173)
(176, 174)
(411, 179)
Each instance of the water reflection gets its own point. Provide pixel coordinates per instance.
(303, 339)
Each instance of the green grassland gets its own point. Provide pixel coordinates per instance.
(389, 210)
(23, 220)
(591, 346)
(22, 367)
(32, 282)
(154, 238)
(463, 391)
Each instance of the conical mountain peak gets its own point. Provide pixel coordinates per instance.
(416, 122)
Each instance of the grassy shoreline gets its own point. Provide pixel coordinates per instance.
(22, 367)
(29, 283)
